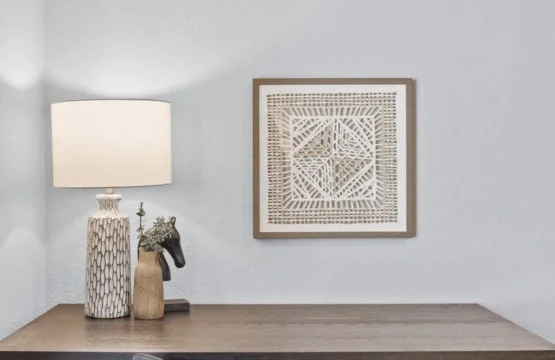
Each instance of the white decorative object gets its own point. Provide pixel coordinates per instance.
(107, 144)
(333, 158)
(108, 273)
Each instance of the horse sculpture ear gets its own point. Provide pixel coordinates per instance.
(172, 220)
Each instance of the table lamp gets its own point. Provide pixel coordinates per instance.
(108, 144)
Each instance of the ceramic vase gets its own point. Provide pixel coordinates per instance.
(108, 273)
(148, 290)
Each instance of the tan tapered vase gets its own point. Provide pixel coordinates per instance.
(148, 290)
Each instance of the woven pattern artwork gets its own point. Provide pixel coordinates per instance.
(332, 158)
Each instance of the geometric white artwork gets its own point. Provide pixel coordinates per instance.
(333, 158)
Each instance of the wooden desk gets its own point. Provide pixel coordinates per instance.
(283, 332)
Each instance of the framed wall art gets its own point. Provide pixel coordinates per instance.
(334, 158)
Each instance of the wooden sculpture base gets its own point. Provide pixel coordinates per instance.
(177, 305)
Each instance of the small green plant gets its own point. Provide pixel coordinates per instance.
(141, 213)
(151, 239)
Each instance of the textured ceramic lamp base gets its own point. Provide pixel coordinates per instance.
(108, 276)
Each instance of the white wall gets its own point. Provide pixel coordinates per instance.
(22, 173)
(485, 138)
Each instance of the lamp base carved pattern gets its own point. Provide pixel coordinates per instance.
(108, 273)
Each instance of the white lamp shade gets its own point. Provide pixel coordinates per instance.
(111, 143)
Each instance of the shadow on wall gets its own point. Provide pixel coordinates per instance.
(144, 48)
(22, 250)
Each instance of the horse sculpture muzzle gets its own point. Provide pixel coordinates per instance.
(173, 246)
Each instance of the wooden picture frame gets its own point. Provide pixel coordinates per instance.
(383, 183)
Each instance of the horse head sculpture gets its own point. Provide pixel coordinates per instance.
(172, 244)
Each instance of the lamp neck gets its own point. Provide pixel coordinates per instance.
(108, 202)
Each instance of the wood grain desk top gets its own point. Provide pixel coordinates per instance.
(346, 332)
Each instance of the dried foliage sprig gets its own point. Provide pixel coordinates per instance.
(151, 239)
(141, 213)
